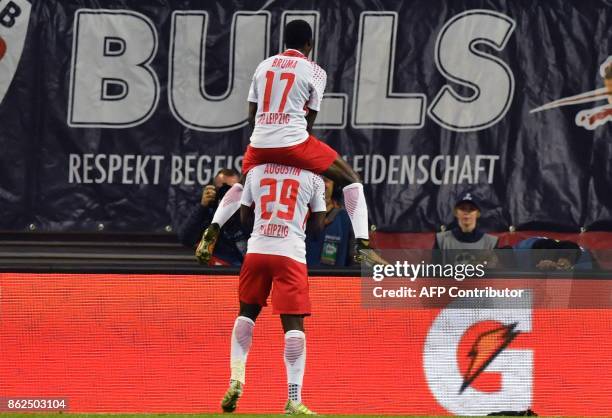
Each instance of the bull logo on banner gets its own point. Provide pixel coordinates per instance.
(470, 364)
(597, 116)
(14, 19)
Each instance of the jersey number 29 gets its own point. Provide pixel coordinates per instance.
(287, 198)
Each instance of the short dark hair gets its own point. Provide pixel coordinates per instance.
(558, 249)
(228, 172)
(545, 244)
(297, 34)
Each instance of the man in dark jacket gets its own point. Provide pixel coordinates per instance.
(231, 246)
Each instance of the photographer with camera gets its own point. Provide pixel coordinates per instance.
(231, 246)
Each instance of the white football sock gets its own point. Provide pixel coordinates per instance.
(228, 205)
(355, 203)
(295, 362)
(242, 336)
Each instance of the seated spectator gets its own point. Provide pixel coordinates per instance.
(332, 246)
(465, 235)
(231, 246)
(550, 254)
(465, 243)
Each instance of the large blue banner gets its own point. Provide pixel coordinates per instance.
(117, 113)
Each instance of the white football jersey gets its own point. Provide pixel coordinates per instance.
(282, 197)
(283, 86)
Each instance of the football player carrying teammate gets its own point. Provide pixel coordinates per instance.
(276, 261)
(284, 99)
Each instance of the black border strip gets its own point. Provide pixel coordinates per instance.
(147, 268)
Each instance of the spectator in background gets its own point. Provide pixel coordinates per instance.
(231, 246)
(332, 246)
(465, 235)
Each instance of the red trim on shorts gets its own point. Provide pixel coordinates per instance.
(313, 155)
(290, 279)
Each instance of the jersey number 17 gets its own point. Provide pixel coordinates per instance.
(289, 79)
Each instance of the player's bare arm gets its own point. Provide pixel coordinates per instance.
(315, 224)
(310, 119)
(252, 113)
(247, 217)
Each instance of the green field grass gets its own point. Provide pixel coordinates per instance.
(27, 415)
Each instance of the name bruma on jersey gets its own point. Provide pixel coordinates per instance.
(284, 63)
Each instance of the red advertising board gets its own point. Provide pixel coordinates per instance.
(158, 343)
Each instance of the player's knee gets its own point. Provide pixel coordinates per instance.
(292, 322)
(347, 173)
(249, 310)
(349, 177)
(353, 177)
(342, 174)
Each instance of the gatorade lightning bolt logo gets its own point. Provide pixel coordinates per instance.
(597, 116)
(14, 20)
(486, 347)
